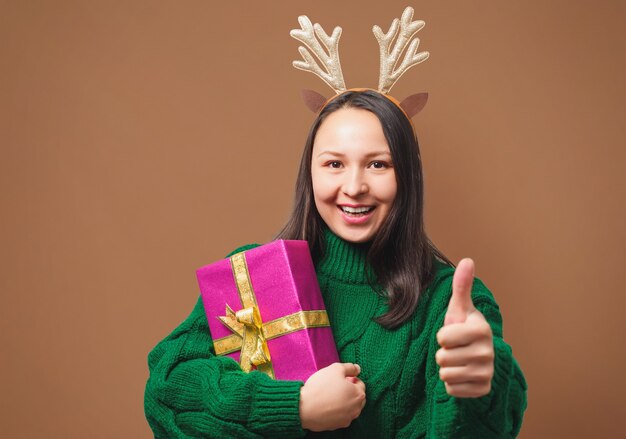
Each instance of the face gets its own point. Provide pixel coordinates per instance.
(354, 182)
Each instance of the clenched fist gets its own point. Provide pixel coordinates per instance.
(332, 397)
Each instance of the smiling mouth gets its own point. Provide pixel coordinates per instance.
(356, 211)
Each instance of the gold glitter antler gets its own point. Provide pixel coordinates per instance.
(388, 60)
(332, 76)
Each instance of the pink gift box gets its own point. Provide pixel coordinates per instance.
(284, 285)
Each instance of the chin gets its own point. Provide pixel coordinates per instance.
(354, 237)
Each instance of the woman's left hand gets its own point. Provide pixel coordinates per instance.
(466, 355)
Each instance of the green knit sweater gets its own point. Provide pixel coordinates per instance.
(192, 393)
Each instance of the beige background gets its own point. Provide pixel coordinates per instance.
(141, 140)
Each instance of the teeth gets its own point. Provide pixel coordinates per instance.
(356, 209)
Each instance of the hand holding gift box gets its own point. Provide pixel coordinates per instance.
(265, 309)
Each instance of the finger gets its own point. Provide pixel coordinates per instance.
(461, 301)
(349, 369)
(360, 384)
(465, 374)
(468, 390)
(361, 397)
(464, 355)
(463, 334)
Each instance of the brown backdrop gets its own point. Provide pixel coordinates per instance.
(141, 140)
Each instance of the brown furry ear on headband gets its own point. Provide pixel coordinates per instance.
(411, 105)
(414, 104)
(313, 100)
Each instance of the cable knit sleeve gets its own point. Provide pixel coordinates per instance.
(498, 414)
(193, 393)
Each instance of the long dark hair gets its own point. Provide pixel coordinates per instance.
(400, 253)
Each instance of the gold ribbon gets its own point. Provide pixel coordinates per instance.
(250, 334)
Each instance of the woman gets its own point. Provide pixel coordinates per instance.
(420, 356)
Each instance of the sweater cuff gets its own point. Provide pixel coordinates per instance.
(276, 408)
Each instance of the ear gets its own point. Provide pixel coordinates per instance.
(414, 104)
(313, 100)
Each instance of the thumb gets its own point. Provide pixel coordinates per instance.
(461, 301)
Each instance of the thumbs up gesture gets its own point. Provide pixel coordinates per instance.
(466, 355)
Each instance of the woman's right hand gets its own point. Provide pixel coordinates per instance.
(332, 397)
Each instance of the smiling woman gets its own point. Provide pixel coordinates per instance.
(420, 343)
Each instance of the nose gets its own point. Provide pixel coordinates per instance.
(355, 183)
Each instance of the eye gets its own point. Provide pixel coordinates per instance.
(379, 165)
(335, 164)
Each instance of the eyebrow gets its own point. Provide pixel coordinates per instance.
(371, 154)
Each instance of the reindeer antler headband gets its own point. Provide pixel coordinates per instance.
(328, 54)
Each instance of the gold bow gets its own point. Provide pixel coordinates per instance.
(247, 324)
(250, 334)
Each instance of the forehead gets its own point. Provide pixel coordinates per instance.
(350, 130)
